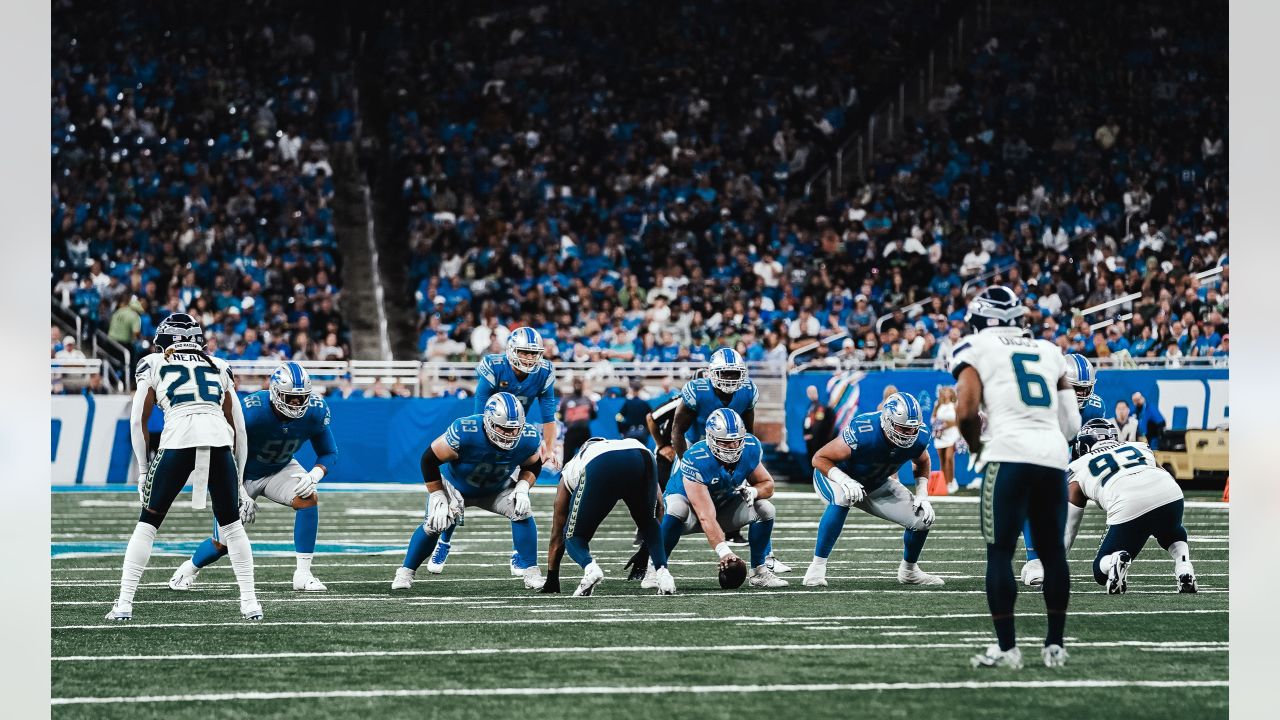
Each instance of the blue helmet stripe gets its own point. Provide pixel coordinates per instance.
(295, 372)
(730, 424)
(510, 405)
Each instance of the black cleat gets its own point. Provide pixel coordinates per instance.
(1187, 583)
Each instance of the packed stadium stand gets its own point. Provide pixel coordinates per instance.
(584, 170)
(191, 172)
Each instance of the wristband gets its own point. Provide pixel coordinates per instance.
(922, 487)
(839, 476)
(723, 550)
(318, 473)
(524, 483)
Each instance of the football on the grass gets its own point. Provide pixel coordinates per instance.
(733, 573)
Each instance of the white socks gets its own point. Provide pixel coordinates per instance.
(304, 563)
(136, 556)
(819, 563)
(1181, 554)
(241, 552)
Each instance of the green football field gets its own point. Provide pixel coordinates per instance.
(473, 643)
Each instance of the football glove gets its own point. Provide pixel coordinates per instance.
(921, 507)
(552, 584)
(852, 488)
(438, 515)
(523, 506)
(637, 564)
(142, 488)
(248, 508)
(748, 492)
(307, 482)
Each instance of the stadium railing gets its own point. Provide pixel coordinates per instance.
(75, 373)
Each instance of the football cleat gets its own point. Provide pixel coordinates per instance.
(773, 563)
(650, 580)
(590, 579)
(735, 539)
(1117, 577)
(1187, 583)
(435, 565)
(184, 577)
(533, 579)
(815, 577)
(763, 577)
(120, 611)
(516, 570)
(953, 487)
(403, 579)
(911, 574)
(1033, 573)
(250, 610)
(304, 581)
(995, 657)
(1055, 656)
(666, 583)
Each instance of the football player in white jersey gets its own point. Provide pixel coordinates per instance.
(1030, 409)
(204, 441)
(1141, 501)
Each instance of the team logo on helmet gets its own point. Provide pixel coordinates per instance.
(503, 420)
(1097, 434)
(180, 332)
(726, 435)
(290, 390)
(901, 419)
(726, 371)
(525, 349)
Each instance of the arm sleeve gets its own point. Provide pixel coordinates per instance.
(1068, 414)
(242, 437)
(325, 445)
(137, 432)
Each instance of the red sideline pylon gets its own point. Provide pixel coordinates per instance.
(937, 484)
(1226, 492)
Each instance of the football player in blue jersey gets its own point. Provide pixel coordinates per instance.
(525, 375)
(1081, 377)
(277, 422)
(859, 468)
(718, 485)
(472, 465)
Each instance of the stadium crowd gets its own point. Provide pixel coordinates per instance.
(191, 173)
(598, 181)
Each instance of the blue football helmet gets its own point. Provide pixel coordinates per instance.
(290, 390)
(1097, 434)
(901, 419)
(503, 420)
(727, 372)
(996, 306)
(726, 435)
(525, 349)
(1081, 377)
(180, 333)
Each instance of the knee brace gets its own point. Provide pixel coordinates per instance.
(678, 507)
(765, 510)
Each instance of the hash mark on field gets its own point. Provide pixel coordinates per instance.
(643, 690)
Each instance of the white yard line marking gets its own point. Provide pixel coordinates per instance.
(644, 690)
(546, 621)
(621, 649)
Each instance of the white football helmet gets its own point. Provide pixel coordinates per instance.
(1081, 377)
(726, 435)
(727, 372)
(503, 420)
(290, 390)
(901, 419)
(525, 349)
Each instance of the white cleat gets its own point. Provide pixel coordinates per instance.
(1186, 578)
(184, 577)
(995, 657)
(120, 611)
(911, 574)
(250, 610)
(516, 570)
(1055, 656)
(1033, 573)
(435, 565)
(953, 487)
(650, 580)
(533, 579)
(815, 577)
(666, 583)
(763, 577)
(304, 581)
(776, 565)
(590, 579)
(1117, 577)
(403, 579)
